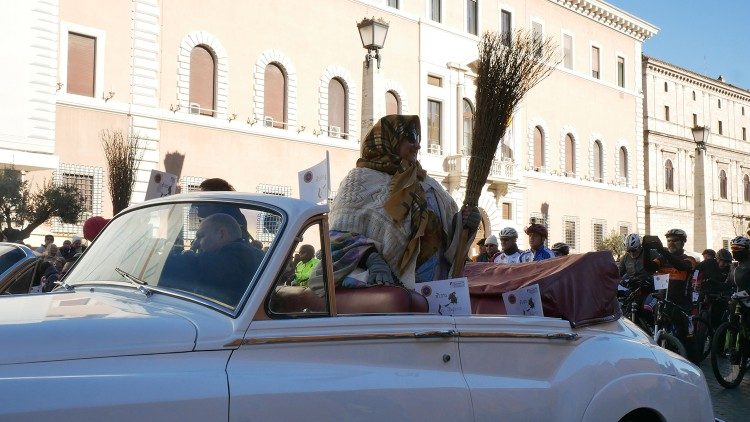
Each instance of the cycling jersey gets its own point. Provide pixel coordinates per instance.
(680, 269)
(504, 258)
(538, 255)
(740, 276)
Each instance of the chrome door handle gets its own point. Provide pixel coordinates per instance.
(436, 333)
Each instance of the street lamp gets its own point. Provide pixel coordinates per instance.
(700, 134)
(373, 32)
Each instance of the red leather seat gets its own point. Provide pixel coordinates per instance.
(371, 300)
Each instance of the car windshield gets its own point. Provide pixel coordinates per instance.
(206, 250)
(9, 255)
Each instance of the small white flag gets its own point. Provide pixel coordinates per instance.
(315, 182)
(661, 281)
(161, 184)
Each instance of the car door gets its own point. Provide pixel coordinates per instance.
(305, 363)
(517, 368)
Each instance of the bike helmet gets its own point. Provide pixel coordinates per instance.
(724, 255)
(538, 229)
(678, 233)
(740, 242)
(632, 242)
(508, 233)
(561, 248)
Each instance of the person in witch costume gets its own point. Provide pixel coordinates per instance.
(391, 223)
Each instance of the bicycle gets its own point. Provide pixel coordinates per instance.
(632, 308)
(706, 320)
(665, 330)
(730, 350)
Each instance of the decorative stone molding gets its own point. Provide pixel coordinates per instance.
(290, 72)
(395, 87)
(656, 66)
(611, 17)
(533, 123)
(352, 98)
(597, 137)
(564, 131)
(190, 41)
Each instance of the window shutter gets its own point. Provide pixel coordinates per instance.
(538, 147)
(81, 64)
(337, 105)
(274, 95)
(391, 104)
(202, 79)
(570, 154)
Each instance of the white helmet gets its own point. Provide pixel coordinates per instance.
(632, 242)
(492, 240)
(508, 233)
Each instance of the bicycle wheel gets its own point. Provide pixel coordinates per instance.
(701, 340)
(671, 343)
(727, 362)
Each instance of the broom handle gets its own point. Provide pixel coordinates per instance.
(459, 260)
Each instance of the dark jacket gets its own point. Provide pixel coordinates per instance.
(222, 275)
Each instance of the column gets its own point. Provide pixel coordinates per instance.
(702, 205)
(373, 95)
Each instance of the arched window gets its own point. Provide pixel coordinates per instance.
(723, 184)
(468, 119)
(538, 148)
(274, 96)
(202, 81)
(570, 155)
(623, 164)
(669, 176)
(392, 104)
(598, 159)
(666, 87)
(693, 95)
(746, 188)
(337, 109)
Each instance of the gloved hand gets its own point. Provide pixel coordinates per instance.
(470, 217)
(380, 272)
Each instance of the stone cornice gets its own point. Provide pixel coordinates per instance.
(608, 15)
(701, 81)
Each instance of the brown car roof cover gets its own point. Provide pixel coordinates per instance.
(579, 288)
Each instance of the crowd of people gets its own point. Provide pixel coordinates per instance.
(509, 253)
(56, 260)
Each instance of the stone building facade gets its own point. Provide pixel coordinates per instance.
(254, 91)
(703, 189)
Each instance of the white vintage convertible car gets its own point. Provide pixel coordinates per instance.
(146, 329)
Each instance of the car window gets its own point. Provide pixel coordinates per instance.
(22, 282)
(299, 290)
(9, 255)
(209, 251)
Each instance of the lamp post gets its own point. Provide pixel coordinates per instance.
(701, 201)
(372, 32)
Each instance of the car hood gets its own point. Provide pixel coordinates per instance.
(61, 326)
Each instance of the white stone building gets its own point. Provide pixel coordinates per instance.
(705, 192)
(254, 91)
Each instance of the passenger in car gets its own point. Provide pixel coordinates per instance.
(390, 218)
(223, 266)
(304, 264)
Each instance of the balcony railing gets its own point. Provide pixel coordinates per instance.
(499, 170)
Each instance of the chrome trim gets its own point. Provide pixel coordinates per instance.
(343, 337)
(402, 335)
(542, 336)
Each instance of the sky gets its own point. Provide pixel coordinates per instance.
(710, 37)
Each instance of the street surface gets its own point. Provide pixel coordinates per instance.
(730, 405)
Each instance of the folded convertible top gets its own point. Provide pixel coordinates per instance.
(579, 288)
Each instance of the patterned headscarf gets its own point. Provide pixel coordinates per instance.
(405, 195)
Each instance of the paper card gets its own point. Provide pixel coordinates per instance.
(447, 297)
(524, 301)
(161, 184)
(661, 281)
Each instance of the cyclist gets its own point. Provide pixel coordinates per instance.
(561, 249)
(636, 265)
(537, 236)
(508, 243)
(491, 244)
(740, 275)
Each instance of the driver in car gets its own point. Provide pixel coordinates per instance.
(220, 268)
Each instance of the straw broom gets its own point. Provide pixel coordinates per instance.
(505, 73)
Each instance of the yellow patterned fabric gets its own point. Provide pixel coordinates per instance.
(405, 194)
